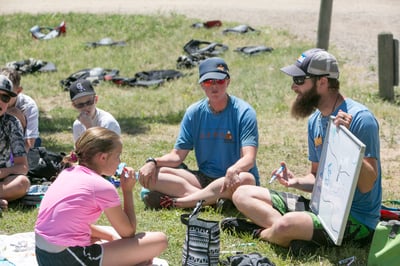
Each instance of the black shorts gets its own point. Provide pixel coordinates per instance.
(203, 179)
(90, 256)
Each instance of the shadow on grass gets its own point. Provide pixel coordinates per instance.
(135, 125)
(130, 125)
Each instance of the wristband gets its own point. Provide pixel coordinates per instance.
(151, 159)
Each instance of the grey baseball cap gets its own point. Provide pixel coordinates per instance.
(317, 62)
(7, 86)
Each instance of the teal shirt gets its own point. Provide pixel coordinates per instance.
(366, 206)
(217, 138)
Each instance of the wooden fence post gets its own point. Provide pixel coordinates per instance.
(324, 24)
(386, 65)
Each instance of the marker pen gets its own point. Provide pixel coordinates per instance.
(277, 173)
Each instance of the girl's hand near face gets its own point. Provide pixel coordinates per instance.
(128, 179)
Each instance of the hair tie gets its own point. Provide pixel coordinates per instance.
(73, 157)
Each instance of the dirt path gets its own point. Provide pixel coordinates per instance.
(354, 28)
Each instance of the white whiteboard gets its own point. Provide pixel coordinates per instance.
(336, 179)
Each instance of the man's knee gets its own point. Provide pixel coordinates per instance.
(247, 178)
(241, 194)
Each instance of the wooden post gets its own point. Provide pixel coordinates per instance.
(396, 62)
(386, 65)
(324, 24)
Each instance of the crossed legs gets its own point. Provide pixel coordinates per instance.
(13, 187)
(184, 186)
(256, 204)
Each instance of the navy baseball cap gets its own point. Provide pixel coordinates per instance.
(80, 88)
(315, 62)
(213, 68)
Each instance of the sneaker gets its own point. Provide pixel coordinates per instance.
(157, 200)
(240, 226)
(144, 192)
(224, 205)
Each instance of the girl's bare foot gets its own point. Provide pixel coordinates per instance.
(3, 204)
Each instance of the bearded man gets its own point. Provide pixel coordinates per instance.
(284, 218)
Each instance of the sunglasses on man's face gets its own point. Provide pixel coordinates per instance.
(209, 82)
(81, 105)
(300, 80)
(5, 98)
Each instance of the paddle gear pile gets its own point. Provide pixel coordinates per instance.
(94, 75)
(31, 65)
(240, 29)
(251, 50)
(47, 33)
(197, 51)
(148, 78)
(105, 42)
(207, 24)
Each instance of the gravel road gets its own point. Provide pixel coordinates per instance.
(355, 24)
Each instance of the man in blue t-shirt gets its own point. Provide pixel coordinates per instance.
(285, 218)
(222, 130)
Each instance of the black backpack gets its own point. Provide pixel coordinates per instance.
(44, 165)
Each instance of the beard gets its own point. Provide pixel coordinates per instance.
(306, 104)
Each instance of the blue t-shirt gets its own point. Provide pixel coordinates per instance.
(366, 206)
(218, 138)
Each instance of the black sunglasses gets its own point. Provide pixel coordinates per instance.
(81, 105)
(5, 98)
(300, 79)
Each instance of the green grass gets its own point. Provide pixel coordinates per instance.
(150, 117)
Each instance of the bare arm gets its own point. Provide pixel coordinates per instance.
(20, 167)
(29, 143)
(368, 174)
(124, 220)
(98, 233)
(244, 164)
(172, 159)
(149, 171)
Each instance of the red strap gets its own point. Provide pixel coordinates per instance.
(388, 215)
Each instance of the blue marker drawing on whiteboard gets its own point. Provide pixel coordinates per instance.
(277, 173)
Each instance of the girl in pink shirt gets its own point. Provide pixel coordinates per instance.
(65, 228)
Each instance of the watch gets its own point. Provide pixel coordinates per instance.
(151, 159)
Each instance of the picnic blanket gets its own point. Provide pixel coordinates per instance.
(19, 249)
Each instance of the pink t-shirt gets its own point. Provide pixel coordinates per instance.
(74, 201)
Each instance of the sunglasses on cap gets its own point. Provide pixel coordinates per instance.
(209, 82)
(5, 98)
(81, 105)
